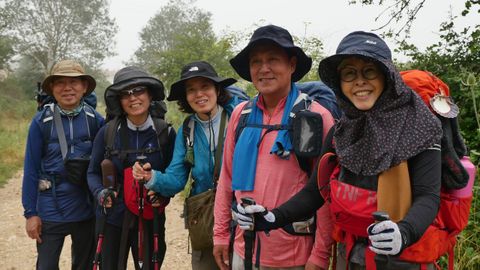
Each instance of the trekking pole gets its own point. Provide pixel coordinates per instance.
(382, 261)
(249, 236)
(156, 217)
(141, 160)
(109, 180)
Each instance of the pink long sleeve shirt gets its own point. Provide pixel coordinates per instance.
(276, 180)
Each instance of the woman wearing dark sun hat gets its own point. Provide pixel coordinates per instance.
(128, 101)
(388, 147)
(200, 92)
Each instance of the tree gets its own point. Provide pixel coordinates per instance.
(50, 30)
(6, 51)
(178, 34)
(401, 14)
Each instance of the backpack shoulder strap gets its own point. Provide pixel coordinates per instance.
(162, 130)
(188, 131)
(242, 122)
(93, 125)
(57, 118)
(111, 128)
(326, 165)
(47, 122)
(303, 102)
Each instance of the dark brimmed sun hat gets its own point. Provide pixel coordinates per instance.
(129, 77)
(282, 38)
(192, 70)
(68, 68)
(356, 44)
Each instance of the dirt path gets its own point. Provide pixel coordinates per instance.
(17, 251)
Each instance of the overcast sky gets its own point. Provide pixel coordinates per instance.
(328, 20)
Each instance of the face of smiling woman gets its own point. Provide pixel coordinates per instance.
(362, 82)
(135, 103)
(202, 96)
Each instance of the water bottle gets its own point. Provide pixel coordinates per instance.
(467, 190)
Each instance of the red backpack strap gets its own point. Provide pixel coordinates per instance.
(326, 165)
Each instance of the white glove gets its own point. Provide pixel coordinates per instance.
(385, 238)
(243, 216)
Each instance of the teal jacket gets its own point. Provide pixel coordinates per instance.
(176, 175)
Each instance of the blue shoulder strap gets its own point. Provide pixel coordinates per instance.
(303, 102)
(47, 122)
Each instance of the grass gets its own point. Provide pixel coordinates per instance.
(14, 122)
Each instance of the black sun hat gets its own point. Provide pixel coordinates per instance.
(192, 70)
(282, 38)
(128, 77)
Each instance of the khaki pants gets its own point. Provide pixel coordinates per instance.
(203, 260)
(238, 264)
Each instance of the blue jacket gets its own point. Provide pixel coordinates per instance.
(66, 202)
(176, 175)
(137, 139)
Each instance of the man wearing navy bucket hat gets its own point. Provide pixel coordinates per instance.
(261, 162)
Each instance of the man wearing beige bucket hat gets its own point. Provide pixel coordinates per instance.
(55, 196)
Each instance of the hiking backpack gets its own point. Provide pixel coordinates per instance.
(458, 172)
(309, 92)
(189, 124)
(458, 175)
(47, 121)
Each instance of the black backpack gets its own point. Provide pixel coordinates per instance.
(162, 128)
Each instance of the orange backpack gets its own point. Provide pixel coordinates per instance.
(458, 172)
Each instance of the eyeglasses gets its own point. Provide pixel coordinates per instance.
(136, 91)
(349, 74)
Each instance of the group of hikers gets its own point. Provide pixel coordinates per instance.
(272, 182)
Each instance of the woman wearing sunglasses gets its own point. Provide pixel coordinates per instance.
(131, 133)
(200, 92)
(388, 148)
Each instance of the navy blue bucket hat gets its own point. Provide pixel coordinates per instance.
(359, 44)
(282, 38)
(192, 70)
(128, 77)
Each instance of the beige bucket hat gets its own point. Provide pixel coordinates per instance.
(68, 68)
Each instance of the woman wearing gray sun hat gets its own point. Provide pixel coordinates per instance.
(387, 144)
(200, 91)
(132, 132)
(55, 196)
